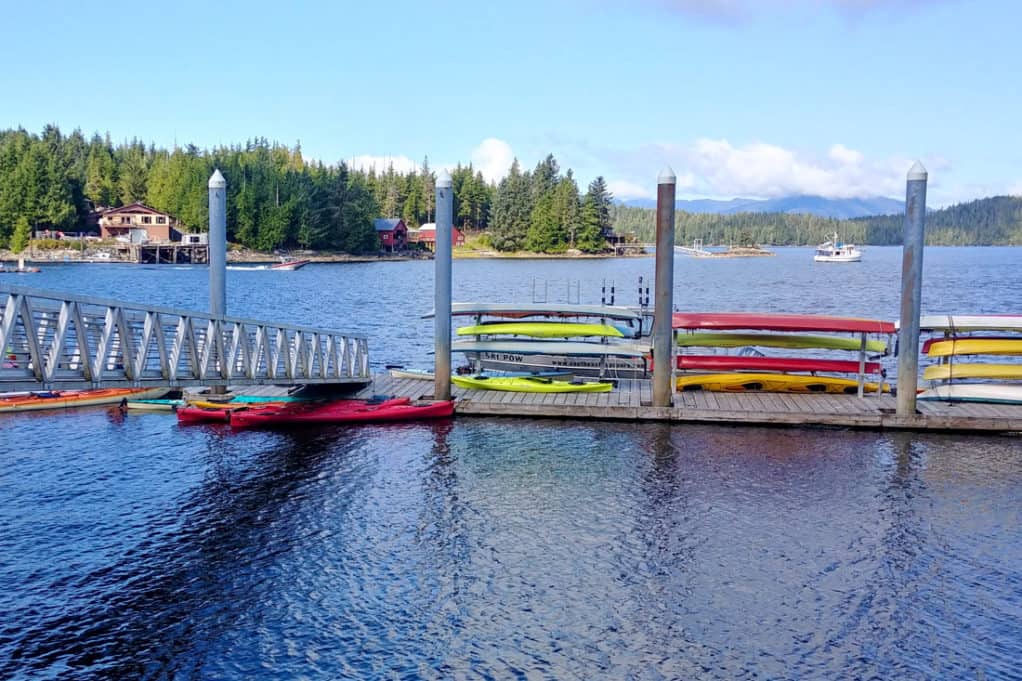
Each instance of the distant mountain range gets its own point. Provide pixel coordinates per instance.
(815, 205)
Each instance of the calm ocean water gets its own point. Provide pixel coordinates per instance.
(492, 548)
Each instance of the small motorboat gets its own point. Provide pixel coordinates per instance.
(835, 251)
(341, 411)
(289, 264)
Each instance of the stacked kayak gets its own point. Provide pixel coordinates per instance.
(530, 384)
(340, 411)
(961, 340)
(753, 370)
(63, 399)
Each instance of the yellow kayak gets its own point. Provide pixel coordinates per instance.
(942, 372)
(529, 384)
(773, 383)
(541, 330)
(205, 404)
(975, 346)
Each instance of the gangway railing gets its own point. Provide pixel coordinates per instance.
(52, 340)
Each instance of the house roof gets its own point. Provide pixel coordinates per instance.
(387, 224)
(137, 208)
(428, 227)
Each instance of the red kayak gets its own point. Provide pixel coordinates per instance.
(189, 415)
(729, 321)
(343, 411)
(740, 363)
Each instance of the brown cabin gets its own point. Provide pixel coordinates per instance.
(139, 224)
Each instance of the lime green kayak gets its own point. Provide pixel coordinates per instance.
(529, 384)
(775, 340)
(541, 329)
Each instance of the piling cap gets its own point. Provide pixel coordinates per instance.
(666, 176)
(216, 180)
(443, 179)
(917, 172)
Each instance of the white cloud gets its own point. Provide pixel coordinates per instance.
(1016, 189)
(402, 164)
(718, 168)
(843, 154)
(493, 158)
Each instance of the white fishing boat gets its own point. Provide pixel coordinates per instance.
(835, 251)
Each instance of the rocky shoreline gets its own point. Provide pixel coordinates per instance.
(110, 255)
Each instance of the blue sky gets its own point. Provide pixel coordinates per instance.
(753, 98)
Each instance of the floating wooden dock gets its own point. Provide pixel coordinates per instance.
(631, 399)
(170, 254)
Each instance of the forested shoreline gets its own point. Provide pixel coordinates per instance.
(984, 222)
(278, 200)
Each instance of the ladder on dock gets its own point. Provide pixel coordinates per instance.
(52, 340)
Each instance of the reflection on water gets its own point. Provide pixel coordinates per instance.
(489, 547)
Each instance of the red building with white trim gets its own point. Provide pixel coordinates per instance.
(392, 232)
(427, 236)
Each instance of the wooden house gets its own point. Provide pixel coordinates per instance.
(392, 232)
(138, 223)
(427, 236)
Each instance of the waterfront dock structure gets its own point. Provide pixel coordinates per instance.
(631, 400)
(56, 340)
(169, 254)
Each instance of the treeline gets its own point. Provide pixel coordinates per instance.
(542, 211)
(276, 199)
(991, 221)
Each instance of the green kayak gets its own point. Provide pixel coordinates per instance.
(541, 329)
(775, 340)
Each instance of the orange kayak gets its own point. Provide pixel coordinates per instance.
(63, 399)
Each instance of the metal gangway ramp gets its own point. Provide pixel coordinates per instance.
(53, 340)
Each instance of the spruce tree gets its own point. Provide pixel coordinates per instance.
(22, 235)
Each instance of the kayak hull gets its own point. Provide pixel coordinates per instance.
(78, 398)
(974, 392)
(541, 330)
(974, 345)
(740, 363)
(191, 414)
(529, 384)
(722, 321)
(775, 383)
(943, 372)
(345, 411)
(775, 340)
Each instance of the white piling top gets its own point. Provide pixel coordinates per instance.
(666, 176)
(443, 179)
(216, 180)
(917, 172)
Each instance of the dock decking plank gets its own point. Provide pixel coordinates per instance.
(630, 400)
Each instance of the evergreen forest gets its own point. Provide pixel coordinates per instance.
(278, 200)
(984, 222)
